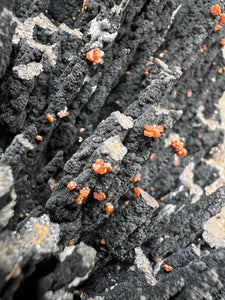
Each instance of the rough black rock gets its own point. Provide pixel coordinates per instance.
(163, 64)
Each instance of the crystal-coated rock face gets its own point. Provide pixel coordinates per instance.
(112, 149)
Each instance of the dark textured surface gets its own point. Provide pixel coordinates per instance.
(50, 246)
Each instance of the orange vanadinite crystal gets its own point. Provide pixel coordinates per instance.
(63, 113)
(52, 186)
(215, 10)
(71, 242)
(108, 208)
(204, 47)
(182, 152)
(222, 42)
(50, 118)
(100, 167)
(99, 196)
(95, 55)
(15, 268)
(71, 185)
(39, 138)
(222, 19)
(189, 94)
(136, 178)
(146, 72)
(176, 163)
(79, 199)
(217, 28)
(153, 131)
(152, 157)
(15, 287)
(84, 192)
(83, 6)
(167, 268)
(177, 145)
(137, 192)
(220, 71)
(158, 259)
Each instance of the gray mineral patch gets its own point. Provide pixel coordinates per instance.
(6, 180)
(149, 199)
(66, 252)
(120, 7)
(58, 295)
(29, 71)
(41, 236)
(25, 31)
(37, 239)
(125, 121)
(64, 27)
(144, 265)
(114, 148)
(7, 211)
(88, 255)
(99, 34)
(214, 230)
(7, 195)
(21, 140)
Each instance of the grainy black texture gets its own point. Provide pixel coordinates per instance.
(163, 65)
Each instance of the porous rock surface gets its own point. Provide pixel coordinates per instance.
(162, 65)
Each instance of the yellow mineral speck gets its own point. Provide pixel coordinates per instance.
(41, 233)
(187, 178)
(115, 148)
(145, 266)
